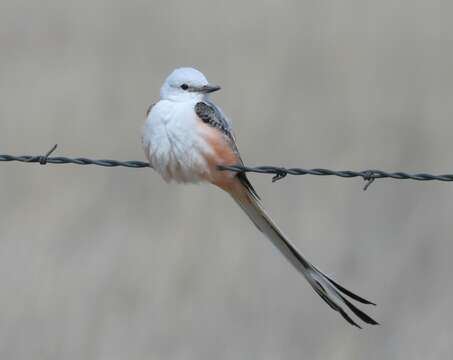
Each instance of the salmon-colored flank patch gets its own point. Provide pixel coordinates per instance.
(222, 154)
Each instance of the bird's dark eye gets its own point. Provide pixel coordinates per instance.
(184, 86)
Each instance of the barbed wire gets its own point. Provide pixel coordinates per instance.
(279, 172)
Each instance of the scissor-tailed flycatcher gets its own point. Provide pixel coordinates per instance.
(186, 137)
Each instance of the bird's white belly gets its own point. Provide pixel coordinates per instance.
(174, 145)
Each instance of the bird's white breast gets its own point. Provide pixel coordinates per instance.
(173, 144)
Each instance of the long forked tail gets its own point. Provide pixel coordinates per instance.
(335, 295)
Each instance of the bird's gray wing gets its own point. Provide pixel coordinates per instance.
(212, 115)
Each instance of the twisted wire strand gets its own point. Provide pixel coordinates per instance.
(278, 172)
(365, 174)
(76, 161)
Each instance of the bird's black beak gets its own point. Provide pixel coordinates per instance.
(206, 89)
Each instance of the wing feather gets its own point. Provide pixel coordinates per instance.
(212, 115)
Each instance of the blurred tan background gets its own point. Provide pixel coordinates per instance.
(99, 263)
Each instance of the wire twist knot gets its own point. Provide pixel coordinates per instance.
(369, 176)
(280, 173)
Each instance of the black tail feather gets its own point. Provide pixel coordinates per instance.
(322, 293)
(329, 290)
(349, 293)
(359, 313)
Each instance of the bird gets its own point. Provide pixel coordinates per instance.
(186, 137)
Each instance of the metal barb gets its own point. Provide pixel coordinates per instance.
(280, 174)
(369, 177)
(43, 159)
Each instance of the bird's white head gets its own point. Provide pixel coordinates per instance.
(185, 84)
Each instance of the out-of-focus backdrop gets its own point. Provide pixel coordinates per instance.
(99, 263)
